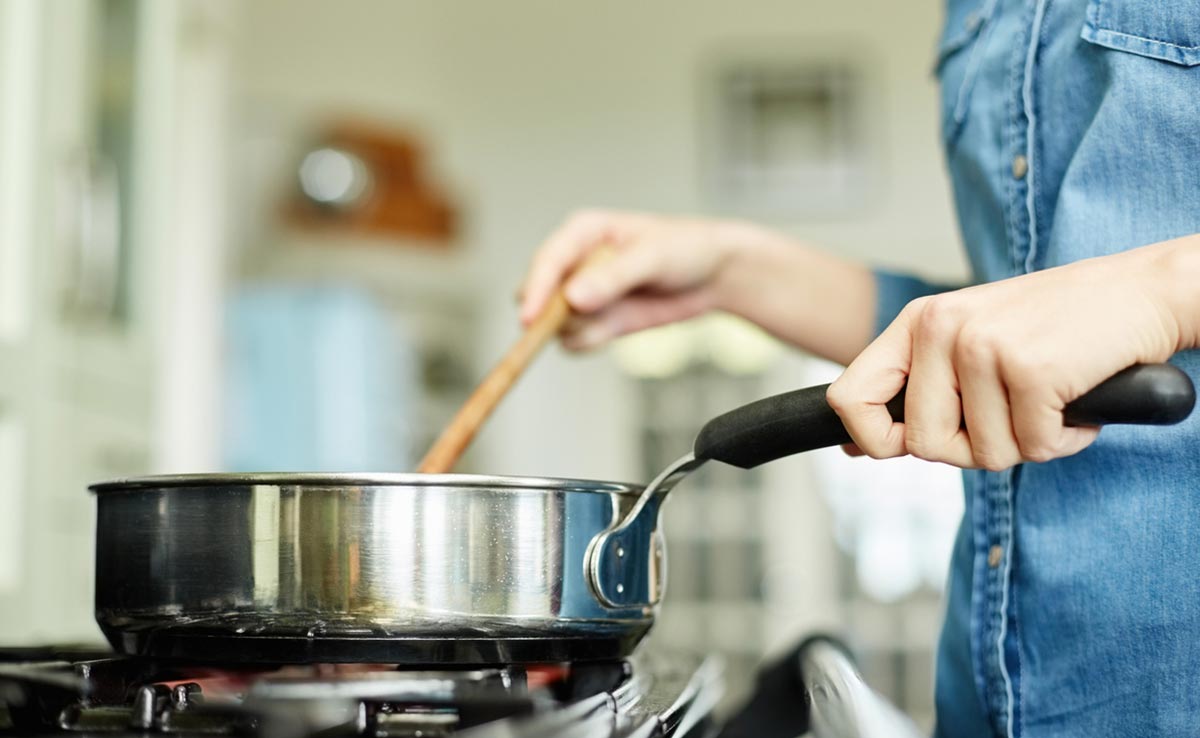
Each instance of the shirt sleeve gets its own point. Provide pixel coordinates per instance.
(893, 291)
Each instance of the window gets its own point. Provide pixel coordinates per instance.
(788, 137)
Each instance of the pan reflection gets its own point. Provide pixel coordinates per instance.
(392, 570)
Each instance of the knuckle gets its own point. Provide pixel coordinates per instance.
(876, 452)
(837, 397)
(911, 313)
(976, 346)
(874, 446)
(919, 444)
(928, 445)
(917, 306)
(989, 459)
(939, 317)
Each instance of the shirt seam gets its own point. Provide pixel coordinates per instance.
(1139, 37)
(1010, 183)
(1016, 620)
(1002, 634)
(981, 506)
(1035, 36)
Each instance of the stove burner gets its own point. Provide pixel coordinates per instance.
(46, 691)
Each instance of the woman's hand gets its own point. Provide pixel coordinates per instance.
(663, 270)
(990, 368)
(667, 269)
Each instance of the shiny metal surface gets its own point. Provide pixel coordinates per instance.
(346, 479)
(186, 563)
(627, 565)
(841, 703)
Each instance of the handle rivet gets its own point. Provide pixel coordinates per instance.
(620, 552)
(620, 589)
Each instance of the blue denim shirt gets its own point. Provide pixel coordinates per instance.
(1072, 130)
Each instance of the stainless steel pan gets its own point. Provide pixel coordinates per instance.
(435, 569)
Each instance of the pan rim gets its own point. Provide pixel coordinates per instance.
(497, 483)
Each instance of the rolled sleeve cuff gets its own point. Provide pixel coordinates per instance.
(893, 291)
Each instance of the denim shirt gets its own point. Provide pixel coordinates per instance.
(1072, 130)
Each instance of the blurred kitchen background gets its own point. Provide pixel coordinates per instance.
(286, 235)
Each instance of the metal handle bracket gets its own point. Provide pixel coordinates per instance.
(626, 564)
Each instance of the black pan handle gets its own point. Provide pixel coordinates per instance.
(799, 421)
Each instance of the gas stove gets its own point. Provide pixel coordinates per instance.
(62, 691)
(91, 692)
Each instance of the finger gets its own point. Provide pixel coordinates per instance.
(860, 395)
(985, 407)
(1074, 440)
(634, 313)
(584, 332)
(601, 285)
(558, 254)
(1037, 418)
(932, 406)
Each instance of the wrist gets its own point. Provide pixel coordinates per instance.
(749, 255)
(1175, 279)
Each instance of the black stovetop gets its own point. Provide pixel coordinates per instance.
(48, 691)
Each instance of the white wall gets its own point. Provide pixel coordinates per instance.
(535, 107)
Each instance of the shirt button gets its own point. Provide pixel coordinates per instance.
(1020, 167)
(995, 556)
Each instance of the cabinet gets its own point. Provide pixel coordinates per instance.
(101, 152)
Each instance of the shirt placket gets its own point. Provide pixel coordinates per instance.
(994, 536)
(1018, 157)
(998, 625)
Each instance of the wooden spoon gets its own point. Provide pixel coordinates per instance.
(454, 440)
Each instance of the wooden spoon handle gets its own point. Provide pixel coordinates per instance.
(454, 440)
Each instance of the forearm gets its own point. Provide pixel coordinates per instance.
(819, 302)
(828, 305)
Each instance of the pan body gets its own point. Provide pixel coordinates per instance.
(394, 568)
